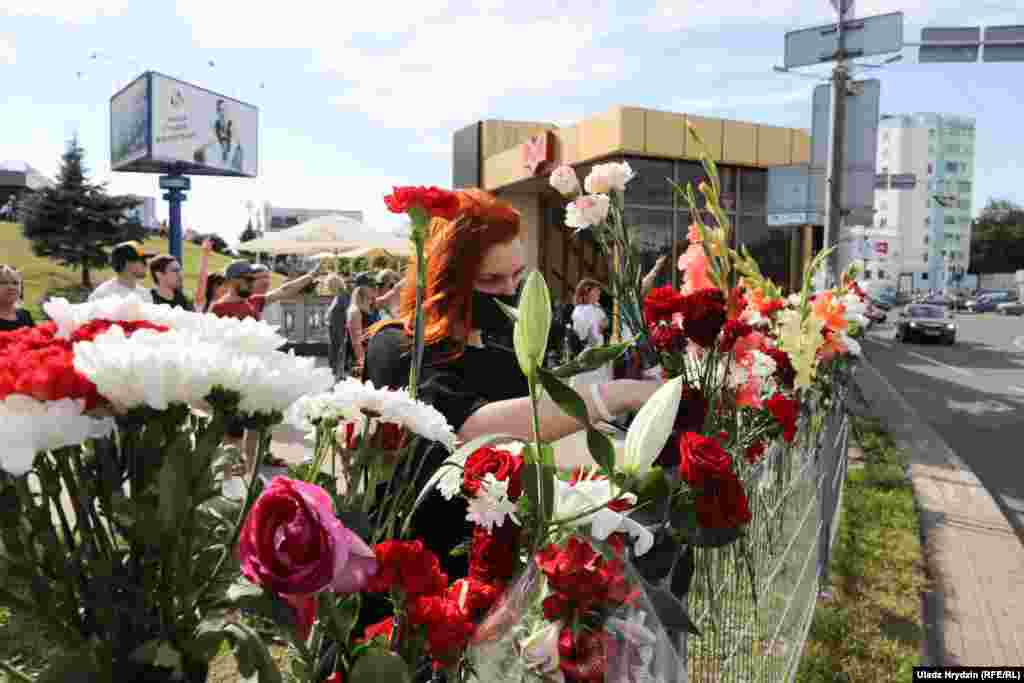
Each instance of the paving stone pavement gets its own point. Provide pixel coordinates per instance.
(975, 614)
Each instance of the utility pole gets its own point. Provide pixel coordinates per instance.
(836, 165)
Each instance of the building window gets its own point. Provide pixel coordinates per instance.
(924, 257)
(964, 186)
(881, 275)
(883, 221)
(924, 276)
(650, 186)
(885, 170)
(926, 239)
(950, 220)
(867, 274)
(753, 191)
(952, 167)
(927, 220)
(931, 133)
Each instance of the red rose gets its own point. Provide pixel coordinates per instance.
(704, 316)
(723, 504)
(382, 629)
(667, 338)
(407, 565)
(493, 556)
(502, 464)
(785, 411)
(433, 201)
(733, 330)
(702, 459)
(661, 304)
(582, 658)
(583, 578)
(754, 452)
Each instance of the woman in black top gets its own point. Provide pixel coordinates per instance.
(470, 373)
(12, 317)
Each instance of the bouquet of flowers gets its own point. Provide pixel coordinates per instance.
(115, 532)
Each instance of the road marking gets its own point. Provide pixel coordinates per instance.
(939, 363)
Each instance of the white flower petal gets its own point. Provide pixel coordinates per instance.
(28, 426)
(652, 426)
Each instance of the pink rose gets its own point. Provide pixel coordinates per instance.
(293, 544)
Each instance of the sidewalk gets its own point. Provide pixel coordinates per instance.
(975, 613)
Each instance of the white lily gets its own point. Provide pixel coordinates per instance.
(572, 500)
(652, 427)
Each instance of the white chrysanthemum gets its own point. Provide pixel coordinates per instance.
(351, 400)
(490, 506)
(763, 366)
(159, 369)
(572, 500)
(28, 426)
(248, 335)
(587, 211)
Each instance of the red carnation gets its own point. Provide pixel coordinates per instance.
(704, 316)
(583, 578)
(433, 201)
(785, 411)
(382, 629)
(448, 627)
(667, 338)
(733, 330)
(492, 556)
(407, 565)
(502, 464)
(474, 597)
(661, 304)
(583, 657)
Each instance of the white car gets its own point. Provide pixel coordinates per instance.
(1010, 308)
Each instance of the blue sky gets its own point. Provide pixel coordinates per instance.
(356, 97)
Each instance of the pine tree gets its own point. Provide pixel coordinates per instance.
(76, 222)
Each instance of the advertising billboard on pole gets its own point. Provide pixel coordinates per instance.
(184, 129)
(129, 123)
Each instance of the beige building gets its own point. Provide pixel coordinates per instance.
(514, 158)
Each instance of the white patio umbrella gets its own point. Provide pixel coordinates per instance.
(327, 234)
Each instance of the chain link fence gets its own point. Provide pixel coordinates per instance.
(754, 600)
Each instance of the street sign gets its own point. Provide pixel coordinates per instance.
(860, 149)
(959, 44)
(875, 35)
(175, 182)
(1004, 44)
(788, 200)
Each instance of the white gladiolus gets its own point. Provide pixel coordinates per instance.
(565, 181)
(604, 178)
(540, 652)
(587, 211)
(28, 426)
(652, 427)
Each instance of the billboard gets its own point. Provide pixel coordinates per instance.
(185, 129)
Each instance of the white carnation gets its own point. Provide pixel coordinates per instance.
(603, 178)
(587, 211)
(565, 181)
(28, 426)
(491, 505)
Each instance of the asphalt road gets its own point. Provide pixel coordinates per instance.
(971, 393)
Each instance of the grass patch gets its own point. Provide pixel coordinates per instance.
(872, 628)
(41, 275)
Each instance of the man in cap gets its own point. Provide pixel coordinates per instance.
(243, 299)
(129, 263)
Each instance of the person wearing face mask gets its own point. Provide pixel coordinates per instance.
(469, 371)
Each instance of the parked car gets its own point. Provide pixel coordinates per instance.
(1010, 308)
(925, 321)
(884, 300)
(989, 302)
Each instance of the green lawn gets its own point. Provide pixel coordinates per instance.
(872, 629)
(42, 274)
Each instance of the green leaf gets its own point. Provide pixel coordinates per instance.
(565, 396)
(511, 311)
(547, 474)
(379, 665)
(591, 359)
(534, 323)
(252, 655)
(71, 667)
(174, 491)
(245, 595)
(601, 449)
(158, 653)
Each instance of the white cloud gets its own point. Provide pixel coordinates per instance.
(73, 11)
(8, 55)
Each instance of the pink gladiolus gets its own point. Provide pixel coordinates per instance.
(695, 262)
(293, 544)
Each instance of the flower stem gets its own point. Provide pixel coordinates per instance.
(418, 239)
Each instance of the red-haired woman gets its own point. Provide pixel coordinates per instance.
(469, 371)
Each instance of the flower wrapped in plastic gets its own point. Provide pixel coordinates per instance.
(579, 612)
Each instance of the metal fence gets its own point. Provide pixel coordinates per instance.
(754, 623)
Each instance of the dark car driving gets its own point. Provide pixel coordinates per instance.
(923, 321)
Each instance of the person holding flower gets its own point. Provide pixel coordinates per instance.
(475, 262)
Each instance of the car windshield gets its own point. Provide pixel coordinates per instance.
(926, 312)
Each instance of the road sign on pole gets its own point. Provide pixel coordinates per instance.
(1004, 44)
(951, 44)
(875, 35)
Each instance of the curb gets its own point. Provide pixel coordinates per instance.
(955, 510)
